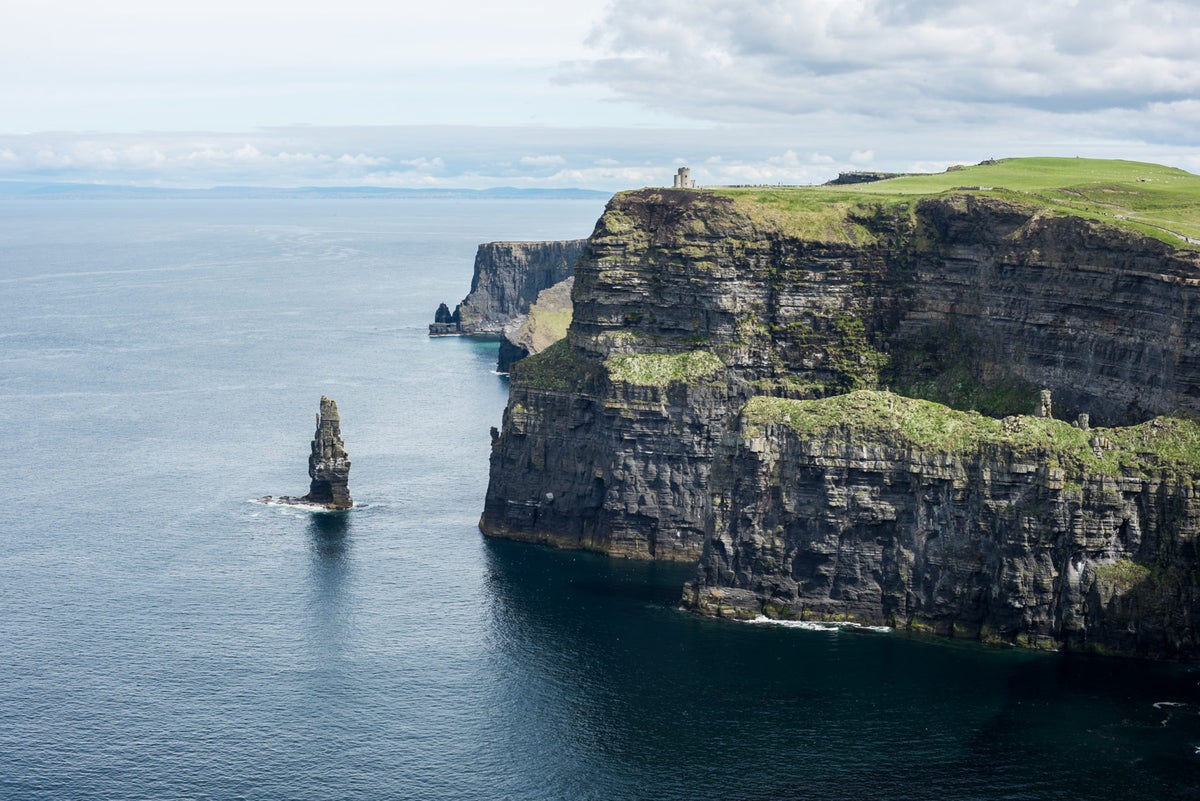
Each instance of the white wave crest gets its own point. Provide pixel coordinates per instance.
(817, 625)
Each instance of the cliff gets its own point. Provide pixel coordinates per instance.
(879, 509)
(507, 279)
(687, 305)
(545, 323)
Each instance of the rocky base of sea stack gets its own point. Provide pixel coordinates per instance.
(300, 503)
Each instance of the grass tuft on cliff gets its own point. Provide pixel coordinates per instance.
(1169, 444)
(661, 369)
(557, 368)
(1162, 202)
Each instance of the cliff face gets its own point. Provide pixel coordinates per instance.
(885, 510)
(592, 459)
(507, 279)
(689, 304)
(1104, 318)
(545, 323)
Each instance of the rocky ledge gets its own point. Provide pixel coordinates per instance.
(546, 323)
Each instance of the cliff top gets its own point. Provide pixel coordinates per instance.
(1170, 443)
(1162, 202)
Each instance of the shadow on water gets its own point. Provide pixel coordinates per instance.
(1135, 724)
(636, 699)
(329, 574)
(329, 532)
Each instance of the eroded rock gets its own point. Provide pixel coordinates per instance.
(328, 465)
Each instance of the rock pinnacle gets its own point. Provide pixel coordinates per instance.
(329, 464)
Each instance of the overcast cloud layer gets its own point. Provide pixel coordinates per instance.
(461, 94)
(930, 60)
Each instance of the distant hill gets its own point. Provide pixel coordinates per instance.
(35, 189)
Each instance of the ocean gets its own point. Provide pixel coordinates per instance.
(164, 636)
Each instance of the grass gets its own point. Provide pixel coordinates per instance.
(1123, 574)
(807, 213)
(1162, 202)
(556, 368)
(661, 369)
(1168, 444)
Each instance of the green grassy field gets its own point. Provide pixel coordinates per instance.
(1163, 202)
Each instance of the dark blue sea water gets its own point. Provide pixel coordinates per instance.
(164, 637)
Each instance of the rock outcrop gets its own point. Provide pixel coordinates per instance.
(329, 464)
(623, 438)
(884, 510)
(507, 279)
(545, 323)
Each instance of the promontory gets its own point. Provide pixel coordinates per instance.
(964, 403)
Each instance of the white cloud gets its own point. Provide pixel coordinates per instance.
(424, 165)
(598, 158)
(542, 161)
(962, 63)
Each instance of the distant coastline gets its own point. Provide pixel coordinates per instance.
(54, 190)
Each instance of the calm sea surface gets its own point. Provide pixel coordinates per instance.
(163, 637)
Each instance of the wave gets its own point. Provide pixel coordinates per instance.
(817, 625)
(296, 503)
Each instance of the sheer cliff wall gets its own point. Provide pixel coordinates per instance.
(885, 510)
(507, 279)
(689, 304)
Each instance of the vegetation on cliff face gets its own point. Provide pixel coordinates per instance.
(661, 369)
(1164, 444)
(557, 368)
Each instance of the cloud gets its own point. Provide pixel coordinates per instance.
(542, 161)
(958, 62)
(596, 158)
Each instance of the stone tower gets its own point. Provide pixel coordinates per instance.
(683, 178)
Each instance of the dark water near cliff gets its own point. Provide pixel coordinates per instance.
(163, 637)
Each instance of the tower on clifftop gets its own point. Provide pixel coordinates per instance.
(683, 178)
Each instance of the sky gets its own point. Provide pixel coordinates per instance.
(601, 94)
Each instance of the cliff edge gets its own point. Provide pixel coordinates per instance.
(972, 290)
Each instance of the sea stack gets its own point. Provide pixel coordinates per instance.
(329, 464)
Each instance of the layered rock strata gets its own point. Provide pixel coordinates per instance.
(886, 510)
(507, 279)
(689, 304)
(545, 323)
(329, 464)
